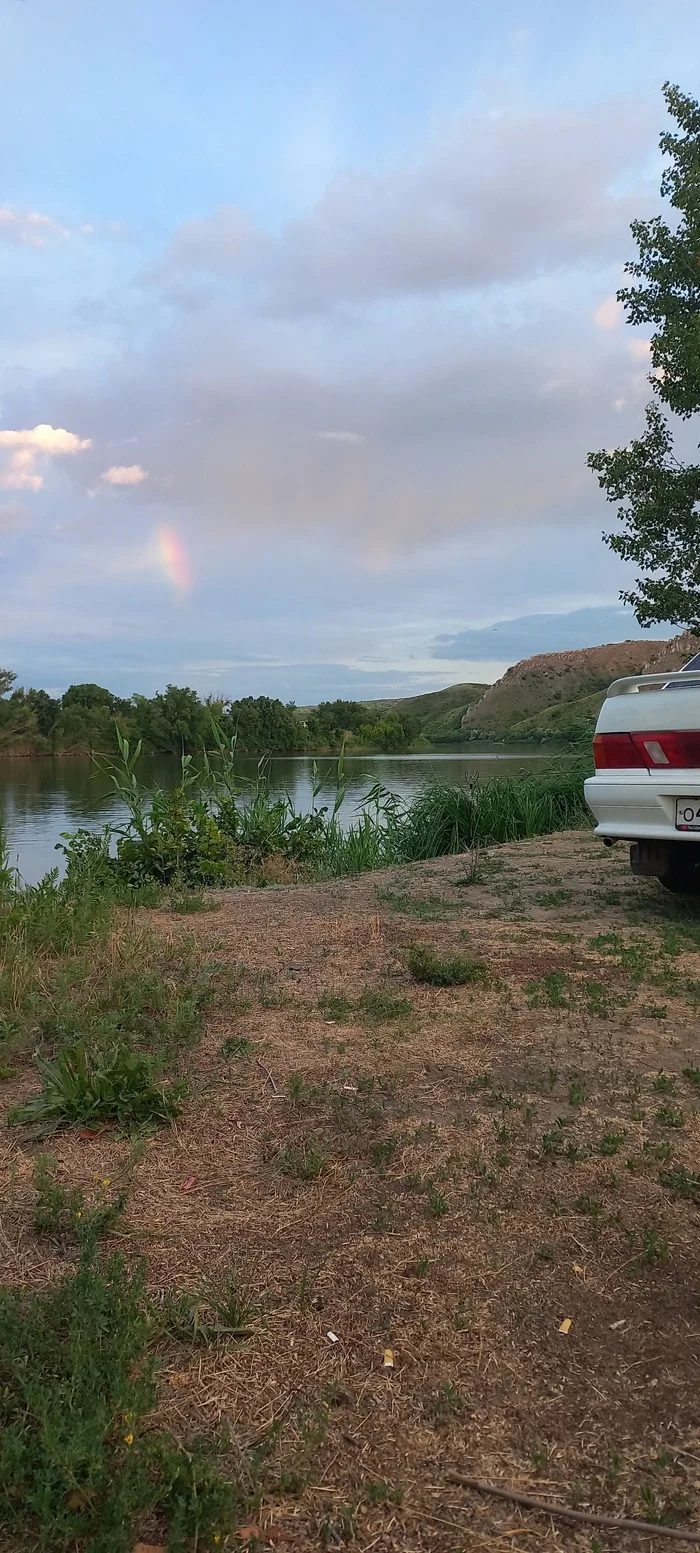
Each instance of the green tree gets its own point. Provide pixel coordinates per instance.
(657, 492)
(172, 721)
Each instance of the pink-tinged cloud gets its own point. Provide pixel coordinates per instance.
(608, 314)
(124, 474)
(27, 227)
(24, 448)
(639, 350)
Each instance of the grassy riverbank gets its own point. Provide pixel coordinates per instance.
(114, 983)
(436, 1110)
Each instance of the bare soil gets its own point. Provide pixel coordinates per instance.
(452, 1184)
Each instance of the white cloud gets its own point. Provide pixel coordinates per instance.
(489, 201)
(124, 474)
(18, 471)
(27, 227)
(639, 350)
(341, 436)
(608, 314)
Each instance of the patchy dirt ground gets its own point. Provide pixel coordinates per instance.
(450, 1173)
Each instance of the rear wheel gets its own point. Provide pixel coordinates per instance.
(682, 878)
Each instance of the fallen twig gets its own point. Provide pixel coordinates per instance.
(562, 1511)
(267, 1073)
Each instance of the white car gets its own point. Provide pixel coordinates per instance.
(646, 788)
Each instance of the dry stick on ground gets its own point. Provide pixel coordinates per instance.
(562, 1511)
(267, 1073)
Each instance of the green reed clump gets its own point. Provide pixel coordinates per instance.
(216, 827)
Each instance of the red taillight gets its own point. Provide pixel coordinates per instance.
(652, 751)
(615, 751)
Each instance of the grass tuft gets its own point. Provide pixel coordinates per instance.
(444, 970)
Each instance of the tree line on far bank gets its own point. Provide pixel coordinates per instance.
(85, 717)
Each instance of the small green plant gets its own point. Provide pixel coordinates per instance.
(553, 1142)
(577, 1092)
(550, 991)
(588, 1205)
(236, 1046)
(61, 1213)
(339, 1528)
(693, 1077)
(654, 1245)
(383, 1152)
(270, 994)
(663, 1512)
(599, 1000)
(300, 1093)
(670, 1116)
(549, 898)
(611, 1143)
(444, 970)
(220, 1309)
(436, 1205)
(334, 1005)
(381, 1492)
(681, 1183)
(428, 908)
(539, 1455)
(664, 1083)
(189, 904)
(474, 869)
(89, 1089)
(378, 1003)
(445, 1403)
(307, 1162)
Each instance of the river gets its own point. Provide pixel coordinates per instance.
(41, 797)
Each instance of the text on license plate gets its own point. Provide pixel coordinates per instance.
(688, 814)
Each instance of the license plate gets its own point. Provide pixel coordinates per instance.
(688, 814)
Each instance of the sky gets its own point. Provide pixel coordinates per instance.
(308, 323)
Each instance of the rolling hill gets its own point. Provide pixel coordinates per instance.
(558, 695)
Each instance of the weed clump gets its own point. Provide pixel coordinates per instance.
(61, 1213)
(77, 1465)
(444, 970)
(89, 1089)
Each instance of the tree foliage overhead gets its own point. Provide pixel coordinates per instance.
(658, 494)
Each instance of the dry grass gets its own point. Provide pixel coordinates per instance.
(492, 1167)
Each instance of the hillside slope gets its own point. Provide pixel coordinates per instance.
(555, 694)
(438, 712)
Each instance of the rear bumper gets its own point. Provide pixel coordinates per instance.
(640, 805)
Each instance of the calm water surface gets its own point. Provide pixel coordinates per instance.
(40, 798)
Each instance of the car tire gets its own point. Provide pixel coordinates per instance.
(682, 878)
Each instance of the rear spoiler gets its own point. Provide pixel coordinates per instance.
(636, 684)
